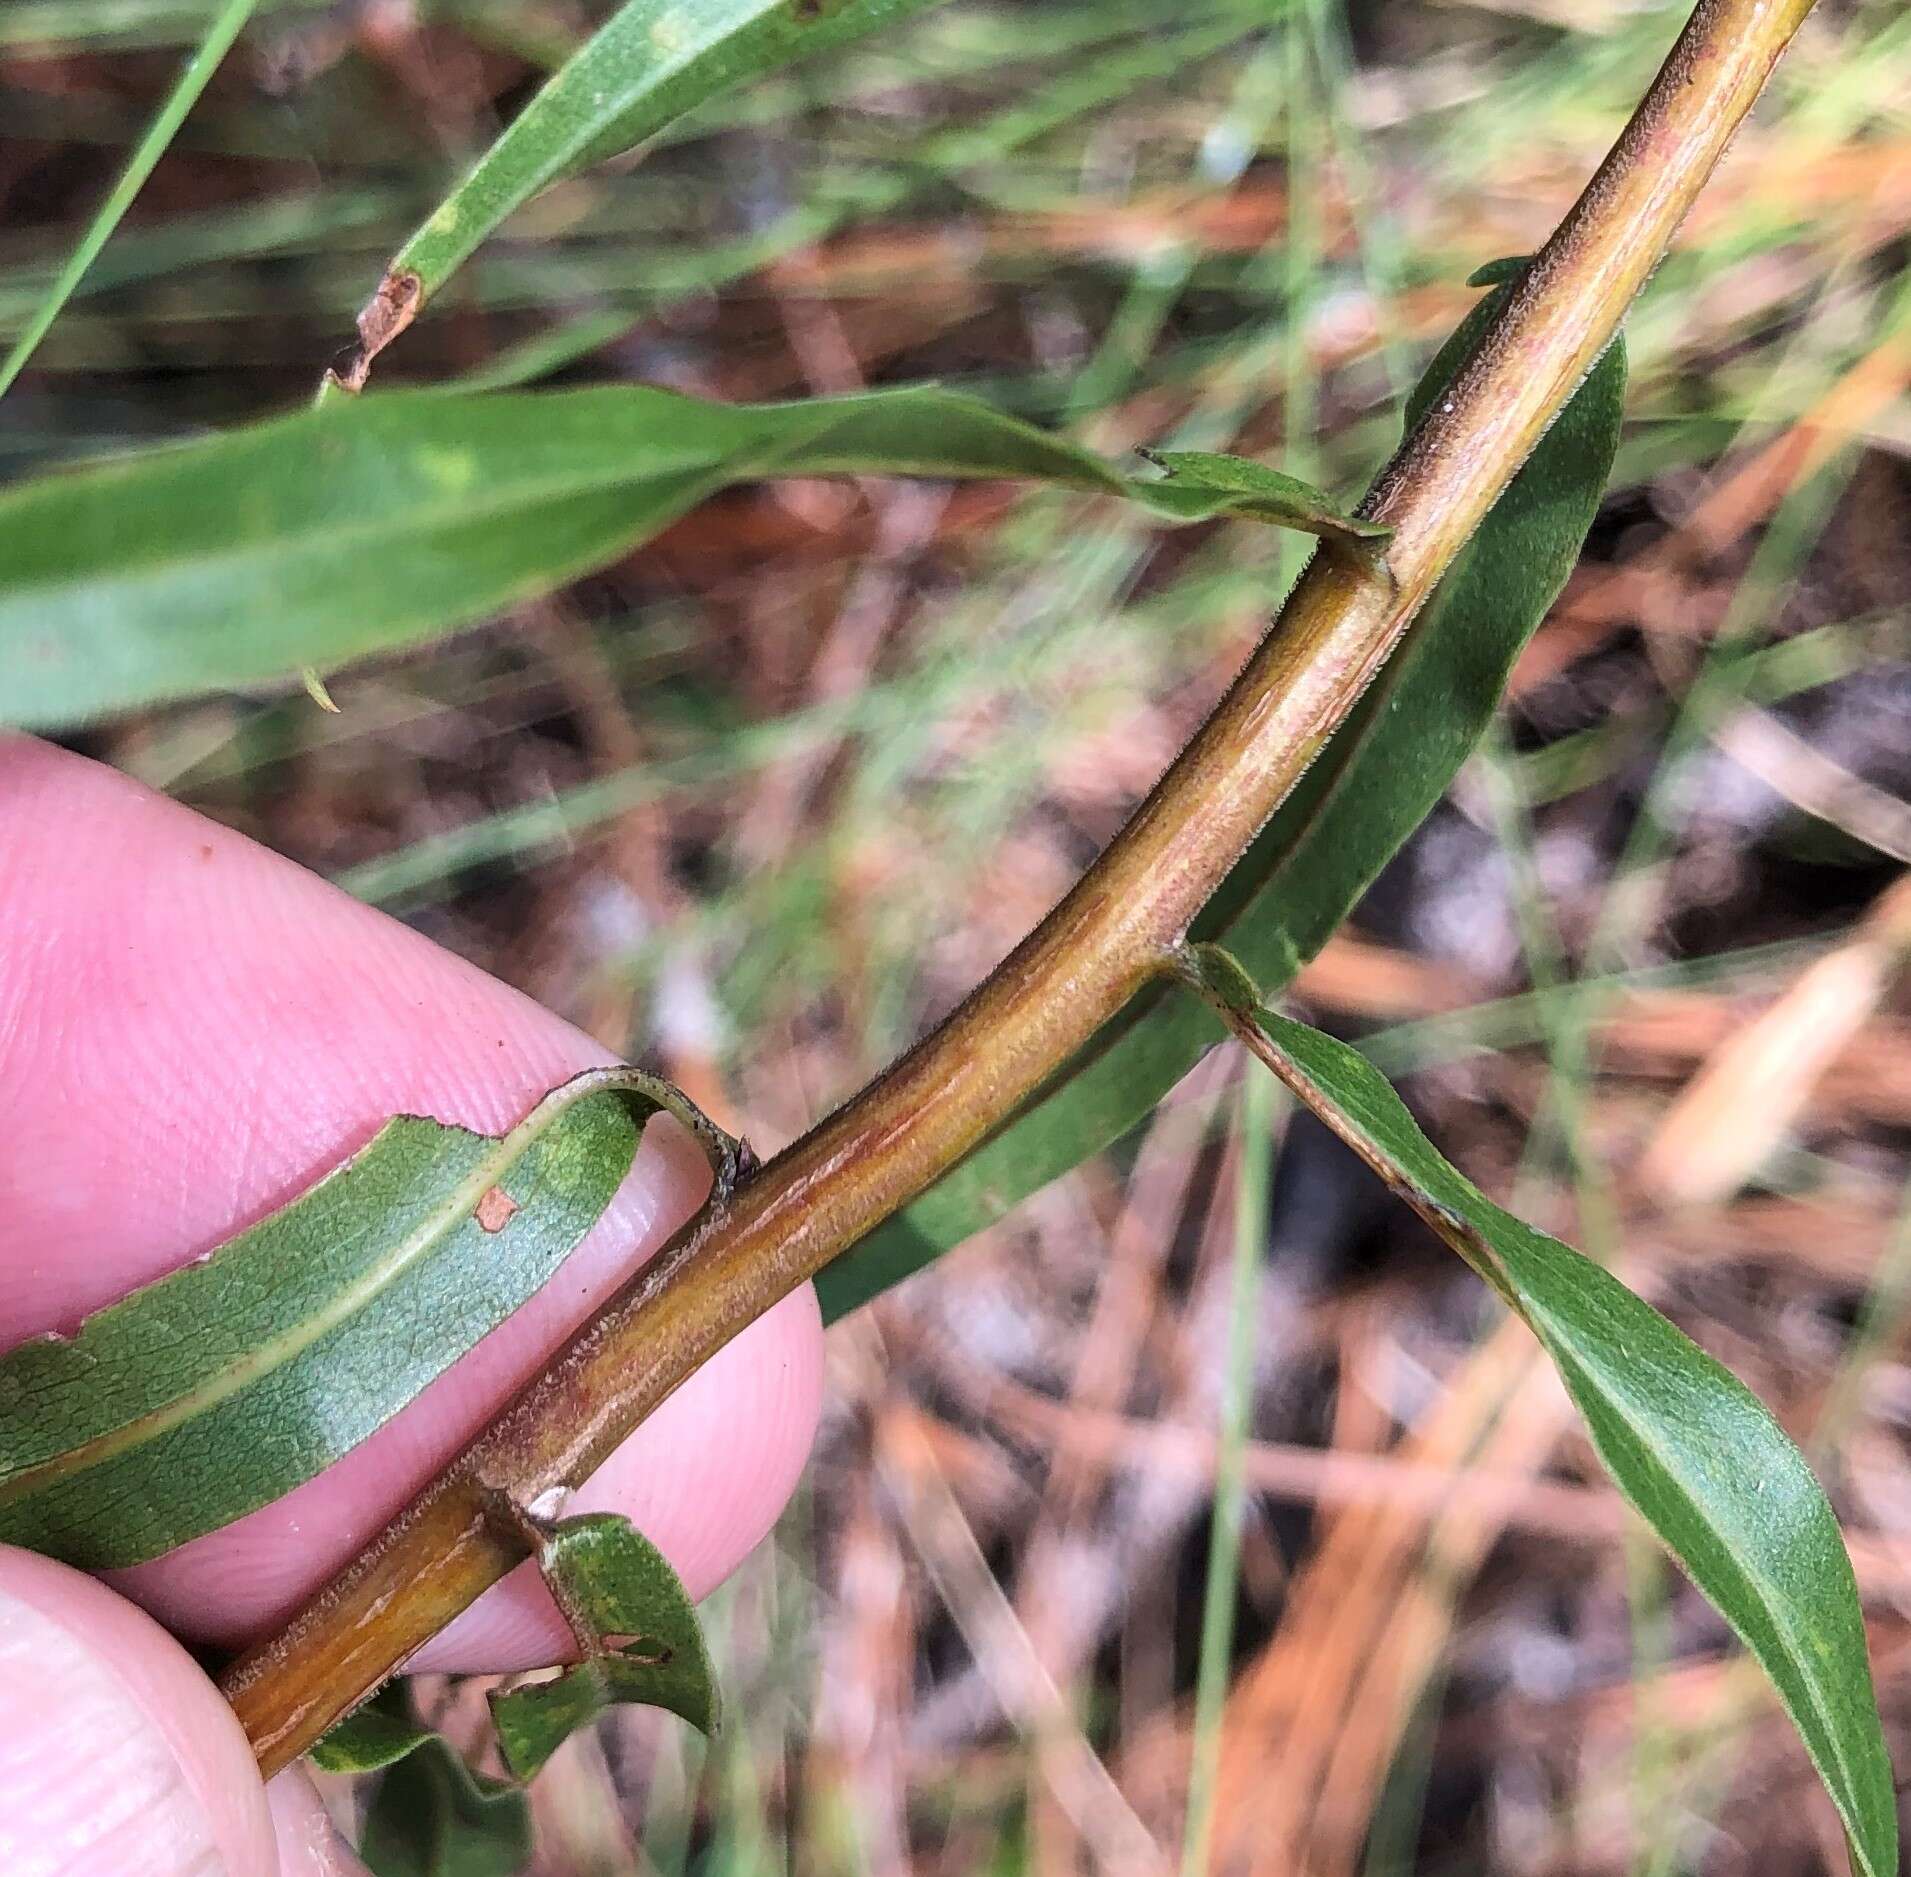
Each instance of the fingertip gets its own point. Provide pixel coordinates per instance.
(117, 1756)
(309, 1843)
(192, 1029)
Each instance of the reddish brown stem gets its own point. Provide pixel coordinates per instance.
(1085, 960)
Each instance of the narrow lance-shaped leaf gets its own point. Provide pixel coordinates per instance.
(636, 1629)
(650, 62)
(373, 523)
(1089, 82)
(1379, 776)
(925, 431)
(222, 1386)
(314, 538)
(1688, 1444)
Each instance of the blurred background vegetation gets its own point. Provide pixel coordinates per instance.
(760, 802)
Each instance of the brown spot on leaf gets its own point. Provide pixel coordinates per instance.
(496, 1210)
(642, 1650)
(382, 318)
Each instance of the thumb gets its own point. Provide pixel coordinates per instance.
(117, 1756)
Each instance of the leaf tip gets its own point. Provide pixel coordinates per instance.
(315, 687)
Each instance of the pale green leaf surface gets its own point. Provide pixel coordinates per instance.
(1377, 779)
(1688, 1444)
(220, 1387)
(640, 1635)
(364, 525)
(372, 523)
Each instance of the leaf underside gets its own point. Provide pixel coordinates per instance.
(217, 1389)
(1690, 1447)
(640, 1643)
(430, 1815)
(638, 1632)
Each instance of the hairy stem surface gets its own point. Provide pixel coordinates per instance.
(1118, 926)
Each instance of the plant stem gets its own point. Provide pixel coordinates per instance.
(1119, 925)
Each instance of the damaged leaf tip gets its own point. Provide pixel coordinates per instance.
(400, 296)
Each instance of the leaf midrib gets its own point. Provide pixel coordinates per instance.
(764, 453)
(1565, 1353)
(1771, 1600)
(281, 1352)
(370, 531)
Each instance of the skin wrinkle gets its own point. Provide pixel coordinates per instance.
(124, 1790)
(309, 1843)
(117, 1758)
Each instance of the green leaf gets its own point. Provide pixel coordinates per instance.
(1252, 489)
(377, 1735)
(637, 1629)
(222, 30)
(922, 430)
(222, 1386)
(1377, 779)
(649, 63)
(361, 526)
(431, 1815)
(1691, 1447)
(372, 523)
(637, 1632)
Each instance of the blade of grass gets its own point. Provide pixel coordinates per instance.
(227, 24)
(1886, 1306)
(1257, 1119)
